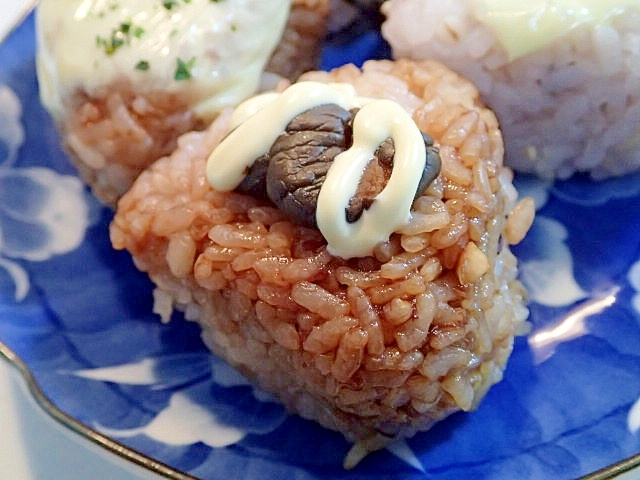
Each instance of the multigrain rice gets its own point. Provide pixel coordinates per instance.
(571, 106)
(376, 347)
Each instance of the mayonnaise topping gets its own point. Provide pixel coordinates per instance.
(525, 27)
(391, 209)
(258, 123)
(213, 52)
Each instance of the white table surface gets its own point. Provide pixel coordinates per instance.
(11, 11)
(33, 446)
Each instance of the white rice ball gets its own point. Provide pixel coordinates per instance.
(570, 106)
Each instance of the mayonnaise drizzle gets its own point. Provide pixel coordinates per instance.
(259, 121)
(525, 27)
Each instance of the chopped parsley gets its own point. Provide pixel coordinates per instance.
(183, 69)
(110, 44)
(119, 37)
(169, 4)
(142, 65)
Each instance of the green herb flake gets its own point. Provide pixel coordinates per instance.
(142, 65)
(183, 69)
(111, 44)
(170, 4)
(119, 37)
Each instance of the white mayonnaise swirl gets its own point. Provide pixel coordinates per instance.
(525, 27)
(259, 121)
(211, 52)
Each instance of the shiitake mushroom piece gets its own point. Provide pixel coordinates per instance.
(293, 171)
(301, 157)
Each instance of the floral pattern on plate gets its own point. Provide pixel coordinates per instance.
(42, 213)
(79, 315)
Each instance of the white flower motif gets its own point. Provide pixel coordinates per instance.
(190, 415)
(42, 213)
(547, 268)
(633, 420)
(11, 131)
(534, 187)
(549, 274)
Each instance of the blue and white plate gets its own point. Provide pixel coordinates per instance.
(75, 317)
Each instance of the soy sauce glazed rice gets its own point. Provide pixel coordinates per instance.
(378, 347)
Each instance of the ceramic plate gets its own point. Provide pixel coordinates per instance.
(75, 315)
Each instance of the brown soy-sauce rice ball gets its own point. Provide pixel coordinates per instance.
(377, 347)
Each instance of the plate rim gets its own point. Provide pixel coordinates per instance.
(47, 406)
(131, 455)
